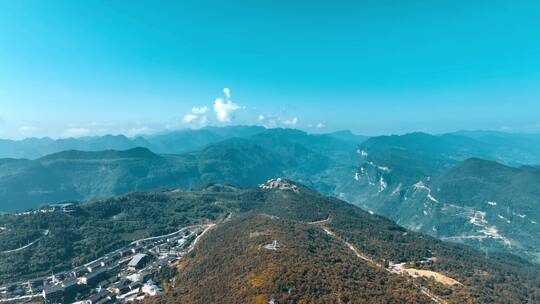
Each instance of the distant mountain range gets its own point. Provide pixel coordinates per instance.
(453, 186)
(238, 159)
(170, 143)
(509, 148)
(321, 249)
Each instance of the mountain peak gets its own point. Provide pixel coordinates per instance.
(138, 152)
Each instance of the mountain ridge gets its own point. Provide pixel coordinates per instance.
(137, 152)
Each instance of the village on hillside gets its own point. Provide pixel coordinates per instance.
(127, 274)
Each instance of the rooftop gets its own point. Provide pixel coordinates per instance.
(136, 259)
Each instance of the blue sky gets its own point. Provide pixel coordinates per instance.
(70, 68)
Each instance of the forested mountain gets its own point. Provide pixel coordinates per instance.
(429, 184)
(83, 175)
(329, 250)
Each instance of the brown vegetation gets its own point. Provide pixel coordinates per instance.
(230, 267)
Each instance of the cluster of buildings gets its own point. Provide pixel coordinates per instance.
(124, 275)
(280, 184)
(64, 207)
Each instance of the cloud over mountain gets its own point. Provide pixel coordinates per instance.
(197, 115)
(225, 110)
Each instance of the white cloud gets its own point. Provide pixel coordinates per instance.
(76, 132)
(203, 120)
(26, 129)
(225, 110)
(291, 122)
(272, 121)
(189, 118)
(197, 116)
(138, 131)
(200, 110)
(320, 125)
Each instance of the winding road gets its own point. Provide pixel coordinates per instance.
(369, 260)
(44, 232)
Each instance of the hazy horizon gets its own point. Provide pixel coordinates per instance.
(317, 131)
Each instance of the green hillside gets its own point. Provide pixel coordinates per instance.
(314, 231)
(426, 187)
